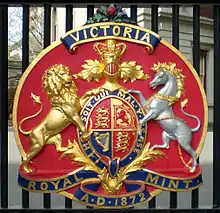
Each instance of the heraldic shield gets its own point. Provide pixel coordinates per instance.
(110, 116)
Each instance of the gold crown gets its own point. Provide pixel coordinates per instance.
(110, 51)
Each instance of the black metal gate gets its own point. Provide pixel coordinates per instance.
(69, 24)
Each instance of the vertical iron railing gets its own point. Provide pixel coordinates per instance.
(216, 121)
(69, 26)
(175, 42)
(3, 103)
(90, 11)
(154, 18)
(25, 63)
(133, 9)
(47, 34)
(154, 28)
(196, 64)
(69, 17)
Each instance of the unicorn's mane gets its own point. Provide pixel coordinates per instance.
(173, 70)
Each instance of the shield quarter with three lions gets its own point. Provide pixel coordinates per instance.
(106, 116)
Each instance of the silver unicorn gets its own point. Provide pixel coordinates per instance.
(159, 109)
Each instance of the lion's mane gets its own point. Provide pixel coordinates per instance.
(54, 86)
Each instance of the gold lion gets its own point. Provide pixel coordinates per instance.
(65, 109)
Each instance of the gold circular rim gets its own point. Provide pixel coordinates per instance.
(57, 43)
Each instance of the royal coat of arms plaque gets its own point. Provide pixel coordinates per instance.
(110, 116)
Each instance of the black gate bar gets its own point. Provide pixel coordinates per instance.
(196, 64)
(25, 63)
(90, 11)
(154, 28)
(69, 17)
(175, 42)
(133, 9)
(3, 103)
(154, 18)
(47, 27)
(175, 26)
(216, 121)
(69, 26)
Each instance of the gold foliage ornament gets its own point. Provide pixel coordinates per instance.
(131, 71)
(94, 70)
(112, 185)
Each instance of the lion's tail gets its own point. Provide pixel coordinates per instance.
(36, 99)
